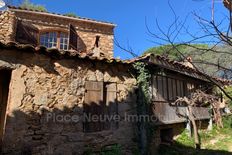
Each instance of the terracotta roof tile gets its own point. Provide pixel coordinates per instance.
(149, 58)
(183, 69)
(61, 15)
(56, 53)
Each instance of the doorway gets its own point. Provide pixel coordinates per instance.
(166, 136)
(5, 76)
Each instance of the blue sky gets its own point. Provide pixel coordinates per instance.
(130, 15)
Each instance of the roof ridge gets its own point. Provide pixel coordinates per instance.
(58, 14)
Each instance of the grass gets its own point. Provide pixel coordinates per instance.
(217, 141)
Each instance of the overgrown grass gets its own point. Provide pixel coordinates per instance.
(185, 139)
(217, 141)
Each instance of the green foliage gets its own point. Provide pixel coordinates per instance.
(213, 141)
(173, 53)
(143, 79)
(199, 53)
(144, 132)
(185, 139)
(27, 4)
(71, 15)
(229, 92)
(114, 150)
(227, 122)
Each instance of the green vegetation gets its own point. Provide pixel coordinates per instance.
(114, 150)
(143, 79)
(201, 58)
(174, 53)
(27, 4)
(216, 141)
(71, 15)
(228, 89)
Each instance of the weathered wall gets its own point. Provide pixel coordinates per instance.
(87, 31)
(7, 26)
(41, 85)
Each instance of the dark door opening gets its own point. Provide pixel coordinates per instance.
(5, 76)
(166, 136)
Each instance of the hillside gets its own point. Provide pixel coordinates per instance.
(205, 60)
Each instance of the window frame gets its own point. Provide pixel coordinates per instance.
(58, 34)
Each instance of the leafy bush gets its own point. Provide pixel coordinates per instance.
(71, 15)
(28, 5)
(185, 139)
(227, 121)
(114, 150)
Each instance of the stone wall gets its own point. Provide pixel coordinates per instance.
(7, 26)
(87, 31)
(41, 86)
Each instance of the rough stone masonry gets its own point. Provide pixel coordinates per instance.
(41, 85)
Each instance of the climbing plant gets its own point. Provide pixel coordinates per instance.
(143, 105)
(143, 80)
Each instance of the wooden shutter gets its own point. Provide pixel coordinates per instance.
(73, 37)
(182, 88)
(154, 88)
(170, 90)
(111, 104)
(165, 88)
(160, 88)
(174, 89)
(26, 33)
(93, 104)
(178, 88)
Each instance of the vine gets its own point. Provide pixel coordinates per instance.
(145, 133)
(143, 79)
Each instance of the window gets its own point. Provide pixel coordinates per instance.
(63, 41)
(54, 40)
(100, 100)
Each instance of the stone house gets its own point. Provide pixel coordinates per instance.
(57, 72)
(65, 33)
(47, 90)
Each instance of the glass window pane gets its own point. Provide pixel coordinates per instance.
(63, 41)
(48, 39)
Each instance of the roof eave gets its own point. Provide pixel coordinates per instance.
(64, 17)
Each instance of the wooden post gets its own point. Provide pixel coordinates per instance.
(210, 126)
(188, 125)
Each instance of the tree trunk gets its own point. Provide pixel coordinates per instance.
(195, 129)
